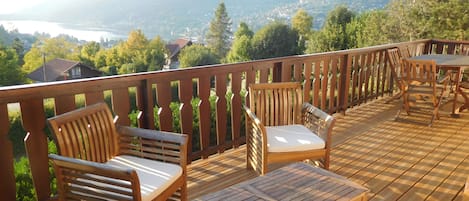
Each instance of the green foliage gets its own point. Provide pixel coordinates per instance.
(88, 53)
(241, 47)
(274, 40)
(24, 182)
(240, 51)
(51, 48)
(243, 30)
(136, 54)
(333, 36)
(156, 53)
(367, 29)
(450, 20)
(10, 70)
(197, 55)
(302, 23)
(18, 45)
(219, 33)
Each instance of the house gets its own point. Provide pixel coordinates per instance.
(62, 69)
(174, 50)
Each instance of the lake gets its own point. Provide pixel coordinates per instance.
(54, 29)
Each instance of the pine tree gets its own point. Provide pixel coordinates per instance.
(219, 33)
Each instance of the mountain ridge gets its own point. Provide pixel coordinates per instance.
(176, 18)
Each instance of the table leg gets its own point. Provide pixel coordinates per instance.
(466, 100)
(457, 91)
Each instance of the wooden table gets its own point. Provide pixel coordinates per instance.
(298, 181)
(455, 63)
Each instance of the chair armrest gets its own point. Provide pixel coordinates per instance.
(318, 121)
(256, 142)
(156, 145)
(255, 125)
(82, 179)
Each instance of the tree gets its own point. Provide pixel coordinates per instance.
(333, 36)
(243, 30)
(241, 47)
(157, 54)
(219, 33)
(10, 72)
(50, 48)
(274, 40)
(88, 53)
(368, 29)
(303, 24)
(197, 55)
(18, 46)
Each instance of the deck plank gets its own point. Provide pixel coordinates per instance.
(396, 160)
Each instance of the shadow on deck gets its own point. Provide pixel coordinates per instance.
(396, 160)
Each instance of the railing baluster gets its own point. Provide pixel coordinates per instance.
(64, 104)
(145, 103)
(6, 157)
(185, 96)
(333, 87)
(316, 82)
(163, 98)
(33, 118)
(346, 71)
(221, 110)
(121, 105)
(236, 109)
(307, 82)
(204, 114)
(325, 81)
(94, 97)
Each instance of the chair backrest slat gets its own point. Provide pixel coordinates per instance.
(395, 57)
(422, 71)
(88, 133)
(276, 103)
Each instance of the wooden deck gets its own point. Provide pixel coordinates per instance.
(396, 160)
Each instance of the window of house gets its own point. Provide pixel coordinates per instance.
(76, 72)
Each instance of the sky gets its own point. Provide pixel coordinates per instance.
(10, 6)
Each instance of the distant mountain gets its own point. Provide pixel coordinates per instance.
(175, 18)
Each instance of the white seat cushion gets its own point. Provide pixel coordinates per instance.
(154, 176)
(292, 138)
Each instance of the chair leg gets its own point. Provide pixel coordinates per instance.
(397, 96)
(327, 161)
(406, 103)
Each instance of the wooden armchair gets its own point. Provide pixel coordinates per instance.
(421, 81)
(281, 128)
(102, 161)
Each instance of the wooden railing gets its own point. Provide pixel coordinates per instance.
(333, 81)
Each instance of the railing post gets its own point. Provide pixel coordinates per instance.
(7, 184)
(277, 72)
(145, 105)
(33, 119)
(344, 84)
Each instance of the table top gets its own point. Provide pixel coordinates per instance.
(445, 59)
(296, 181)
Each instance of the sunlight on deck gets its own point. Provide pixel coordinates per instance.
(396, 160)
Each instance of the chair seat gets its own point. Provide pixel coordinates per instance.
(292, 138)
(423, 89)
(154, 176)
